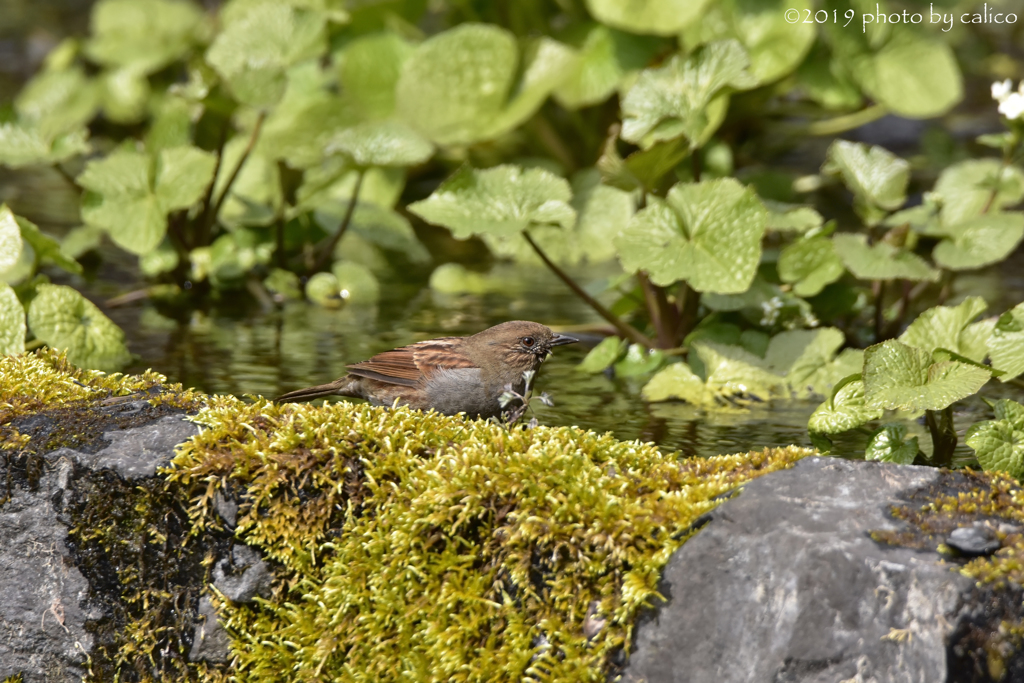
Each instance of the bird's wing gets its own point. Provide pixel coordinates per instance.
(409, 364)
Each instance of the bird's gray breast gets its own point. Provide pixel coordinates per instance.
(458, 390)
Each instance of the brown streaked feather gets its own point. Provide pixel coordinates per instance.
(408, 365)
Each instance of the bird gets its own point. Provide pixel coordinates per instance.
(449, 375)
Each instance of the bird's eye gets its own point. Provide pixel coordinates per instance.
(527, 341)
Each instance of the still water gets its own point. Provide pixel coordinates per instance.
(235, 347)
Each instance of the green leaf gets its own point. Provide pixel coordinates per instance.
(504, 200)
(46, 248)
(255, 197)
(10, 239)
(966, 188)
(981, 241)
(369, 70)
(125, 93)
(460, 87)
(877, 178)
(66, 320)
(545, 64)
(999, 443)
(376, 225)
(384, 143)
(234, 255)
(656, 17)
(674, 100)
(890, 444)
(601, 213)
(732, 372)
(898, 376)
(880, 261)
(806, 358)
(356, 284)
(284, 284)
(456, 82)
(846, 409)
(602, 356)
(252, 52)
(776, 46)
(810, 264)
(913, 76)
(80, 240)
(1006, 344)
(453, 278)
(601, 64)
(56, 103)
(707, 233)
(639, 361)
(676, 382)
(950, 328)
(131, 193)
(21, 146)
(182, 176)
(826, 82)
(12, 322)
(323, 289)
(792, 217)
(161, 260)
(145, 35)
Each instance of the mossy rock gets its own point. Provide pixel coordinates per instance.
(401, 545)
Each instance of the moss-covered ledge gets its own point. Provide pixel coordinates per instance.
(401, 544)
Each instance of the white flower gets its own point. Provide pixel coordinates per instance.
(1001, 90)
(1012, 106)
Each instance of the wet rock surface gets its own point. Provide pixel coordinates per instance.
(785, 584)
(57, 604)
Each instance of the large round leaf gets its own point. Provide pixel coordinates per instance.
(66, 320)
(897, 376)
(504, 200)
(675, 99)
(130, 194)
(880, 261)
(457, 81)
(708, 234)
(384, 143)
(145, 35)
(252, 52)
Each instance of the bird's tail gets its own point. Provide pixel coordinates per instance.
(339, 387)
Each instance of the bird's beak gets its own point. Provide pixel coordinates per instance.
(562, 339)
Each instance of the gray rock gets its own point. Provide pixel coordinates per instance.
(46, 602)
(784, 584)
(138, 452)
(975, 540)
(45, 598)
(244, 577)
(212, 642)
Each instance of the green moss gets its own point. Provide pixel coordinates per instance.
(404, 544)
(962, 499)
(436, 548)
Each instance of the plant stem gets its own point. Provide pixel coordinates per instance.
(695, 165)
(944, 439)
(847, 122)
(205, 223)
(879, 291)
(664, 316)
(688, 300)
(328, 248)
(624, 328)
(212, 218)
(68, 177)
